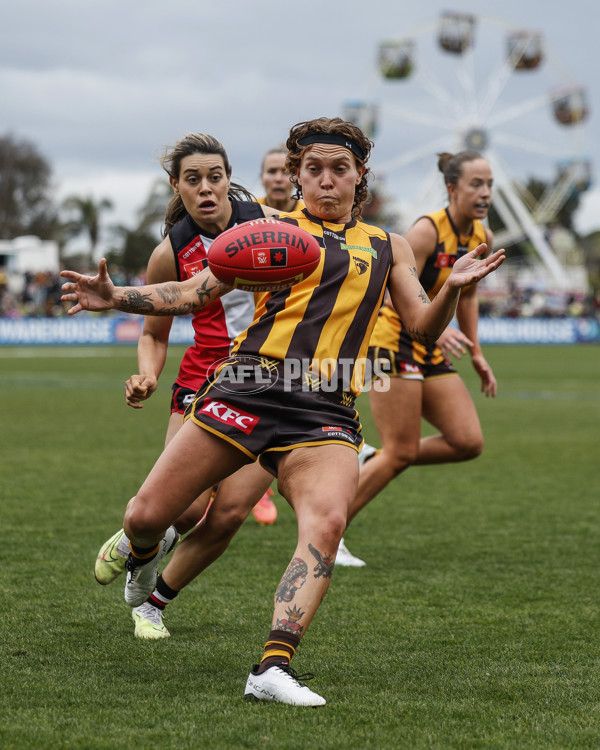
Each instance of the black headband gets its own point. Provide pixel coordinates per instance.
(334, 138)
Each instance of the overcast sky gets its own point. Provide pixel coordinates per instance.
(102, 87)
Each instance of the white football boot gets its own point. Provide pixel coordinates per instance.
(281, 684)
(346, 559)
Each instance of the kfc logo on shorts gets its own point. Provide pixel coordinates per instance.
(226, 414)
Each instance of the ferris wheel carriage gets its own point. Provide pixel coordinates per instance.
(362, 114)
(525, 50)
(456, 32)
(396, 58)
(578, 170)
(570, 105)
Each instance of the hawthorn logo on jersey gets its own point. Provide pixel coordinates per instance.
(361, 265)
(273, 257)
(226, 414)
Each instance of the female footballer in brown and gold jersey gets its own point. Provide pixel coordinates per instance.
(423, 382)
(304, 428)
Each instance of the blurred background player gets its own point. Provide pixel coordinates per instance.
(276, 182)
(205, 203)
(423, 382)
(316, 467)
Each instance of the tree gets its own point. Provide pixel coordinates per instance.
(25, 188)
(134, 246)
(85, 219)
(152, 213)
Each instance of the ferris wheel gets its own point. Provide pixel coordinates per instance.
(471, 82)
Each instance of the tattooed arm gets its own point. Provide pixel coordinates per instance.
(425, 320)
(170, 298)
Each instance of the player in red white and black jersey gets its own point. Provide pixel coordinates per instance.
(205, 203)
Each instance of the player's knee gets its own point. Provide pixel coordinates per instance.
(399, 456)
(468, 447)
(326, 528)
(231, 520)
(140, 523)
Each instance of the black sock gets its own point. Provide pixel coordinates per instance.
(143, 555)
(162, 594)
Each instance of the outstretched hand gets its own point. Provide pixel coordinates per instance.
(472, 267)
(88, 292)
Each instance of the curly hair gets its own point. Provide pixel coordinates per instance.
(194, 143)
(328, 125)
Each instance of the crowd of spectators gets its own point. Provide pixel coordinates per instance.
(532, 302)
(38, 295)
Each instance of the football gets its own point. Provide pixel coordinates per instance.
(263, 255)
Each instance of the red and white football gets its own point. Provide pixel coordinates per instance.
(263, 255)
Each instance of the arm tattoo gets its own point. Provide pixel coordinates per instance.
(324, 566)
(423, 297)
(414, 333)
(169, 293)
(206, 293)
(293, 579)
(423, 338)
(134, 302)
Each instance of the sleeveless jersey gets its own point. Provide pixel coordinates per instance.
(326, 320)
(216, 325)
(449, 247)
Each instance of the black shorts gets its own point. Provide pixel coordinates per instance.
(412, 361)
(272, 414)
(181, 398)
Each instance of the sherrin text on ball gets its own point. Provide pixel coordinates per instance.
(265, 255)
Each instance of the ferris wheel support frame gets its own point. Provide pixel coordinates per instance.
(530, 228)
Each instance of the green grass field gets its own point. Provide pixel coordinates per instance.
(474, 625)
